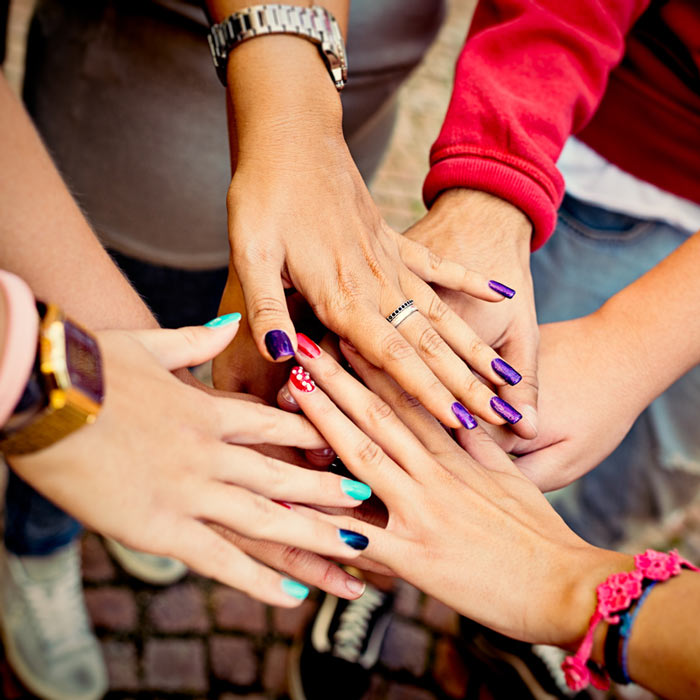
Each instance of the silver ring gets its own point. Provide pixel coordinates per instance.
(401, 313)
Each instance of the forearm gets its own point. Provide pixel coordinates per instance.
(652, 317)
(44, 237)
(283, 100)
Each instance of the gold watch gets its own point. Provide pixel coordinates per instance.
(65, 391)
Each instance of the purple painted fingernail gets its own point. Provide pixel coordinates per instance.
(278, 344)
(464, 417)
(505, 410)
(503, 369)
(502, 289)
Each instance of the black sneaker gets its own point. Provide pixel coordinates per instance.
(515, 669)
(342, 643)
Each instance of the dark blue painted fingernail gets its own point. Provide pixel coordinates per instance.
(503, 369)
(278, 344)
(505, 410)
(353, 539)
(464, 417)
(502, 289)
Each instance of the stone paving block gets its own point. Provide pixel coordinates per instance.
(448, 669)
(291, 621)
(122, 665)
(407, 599)
(97, 566)
(408, 692)
(112, 608)
(406, 647)
(233, 659)
(275, 668)
(234, 610)
(440, 617)
(175, 665)
(179, 609)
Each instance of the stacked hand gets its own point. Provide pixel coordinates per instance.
(164, 461)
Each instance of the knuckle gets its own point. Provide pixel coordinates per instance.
(275, 478)
(266, 422)
(378, 410)
(266, 307)
(407, 401)
(471, 384)
(438, 310)
(395, 348)
(368, 452)
(266, 517)
(476, 347)
(434, 260)
(431, 344)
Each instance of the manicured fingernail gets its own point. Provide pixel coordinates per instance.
(503, 369)
(502, 289)
(464, 417)
(355, 586)
(224, 320)
(325, 453)
(286, 395)
(353, 539)
(307, 347)
(302, 380)
(283, 504)
(278, 344)
(294, 588)
(505, 410)
(355, 489)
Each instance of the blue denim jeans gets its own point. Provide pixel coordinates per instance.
(593, 254)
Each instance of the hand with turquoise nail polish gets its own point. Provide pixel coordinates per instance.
(165, 462)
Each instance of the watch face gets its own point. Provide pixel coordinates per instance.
(83, 362)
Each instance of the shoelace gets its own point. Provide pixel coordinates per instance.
(59, 612)
(353, 624)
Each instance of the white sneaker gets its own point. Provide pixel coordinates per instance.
(45, 628)
(150, 568)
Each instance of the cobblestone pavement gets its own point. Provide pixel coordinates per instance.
(198, 639)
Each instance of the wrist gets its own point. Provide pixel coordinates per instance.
(19, 329)
(283, 97)
(490, 219)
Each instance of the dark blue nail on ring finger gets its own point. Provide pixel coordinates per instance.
(505, 410)
(353, 539)
(278, 344)
(503, 369)
(502, 289)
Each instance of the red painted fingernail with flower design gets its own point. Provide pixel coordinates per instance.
(301, 379)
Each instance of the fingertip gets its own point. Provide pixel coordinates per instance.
(286, 401)
(279, 345)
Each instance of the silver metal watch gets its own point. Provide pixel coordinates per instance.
(313, 23)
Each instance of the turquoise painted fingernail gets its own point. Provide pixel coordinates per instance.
(224, 320)
(294, 588)
(355, 489)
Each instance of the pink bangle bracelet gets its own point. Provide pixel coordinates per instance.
(18, 349)
(615, 595)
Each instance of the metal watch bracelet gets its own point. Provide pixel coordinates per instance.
(313, 23)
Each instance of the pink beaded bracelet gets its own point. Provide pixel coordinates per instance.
(615, 595)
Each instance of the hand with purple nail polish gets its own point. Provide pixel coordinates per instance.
(491, 236)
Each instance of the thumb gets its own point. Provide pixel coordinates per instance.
(548, 467)
(266, 305)
(192, 345)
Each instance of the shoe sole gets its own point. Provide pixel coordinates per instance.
(37, 687)
(142, 573)
(495, 659)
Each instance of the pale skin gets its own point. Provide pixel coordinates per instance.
(46, 240)
(636, 345)
(483, 539)
(301, 217)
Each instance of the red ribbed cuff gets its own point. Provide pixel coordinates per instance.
(507, 181)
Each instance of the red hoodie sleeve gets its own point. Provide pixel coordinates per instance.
(530, 74)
